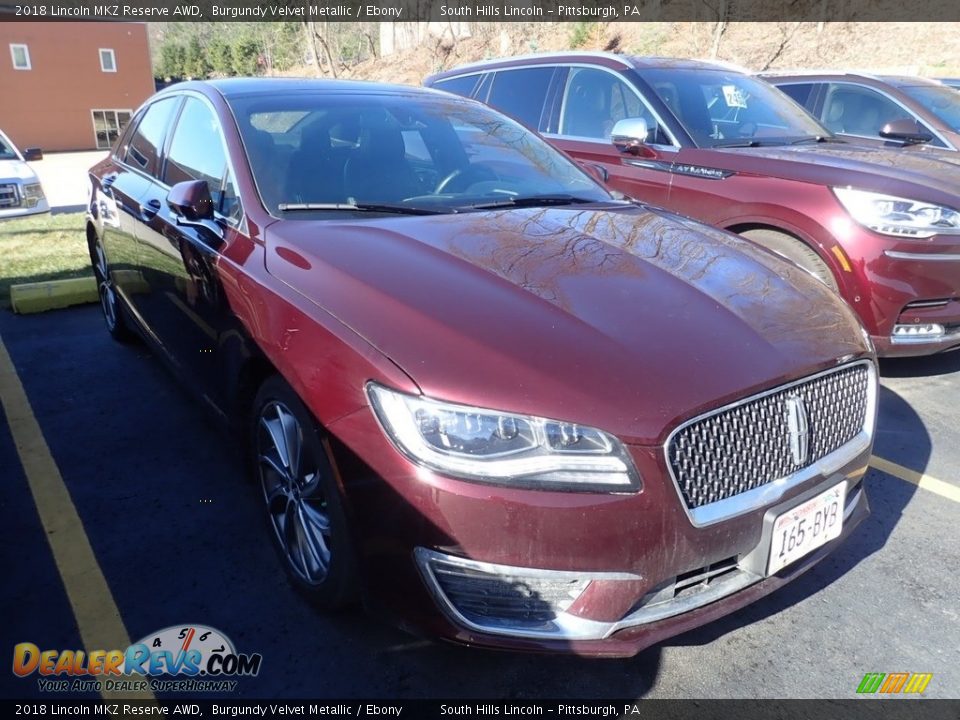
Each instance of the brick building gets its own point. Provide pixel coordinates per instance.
(71, 85)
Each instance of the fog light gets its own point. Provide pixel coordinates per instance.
(924, 331)
(505, 600)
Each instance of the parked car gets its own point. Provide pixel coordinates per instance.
(880, 227)
(513, 410)
(880, 110)
(20, 191)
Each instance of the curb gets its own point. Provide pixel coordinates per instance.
(41, 296)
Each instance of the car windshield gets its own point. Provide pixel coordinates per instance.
(332, 153)
(6, 149)
(719, 108)
(942, 101)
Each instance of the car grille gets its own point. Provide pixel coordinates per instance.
(749, 444)
(9, 197)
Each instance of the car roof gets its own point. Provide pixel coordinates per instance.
(245, 86)
(894, 80)
(604, 58)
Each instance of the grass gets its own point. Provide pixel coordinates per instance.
(39, 248)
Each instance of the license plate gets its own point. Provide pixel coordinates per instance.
(806, 527)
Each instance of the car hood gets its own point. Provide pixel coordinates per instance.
(927, 172)
(16, 170)
(626, 319)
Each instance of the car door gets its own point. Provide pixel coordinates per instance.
(858, 113)
(590, 103)
(123, 188)
(177, 260)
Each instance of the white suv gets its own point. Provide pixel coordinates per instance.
(20, 190)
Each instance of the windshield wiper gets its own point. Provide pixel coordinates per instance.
(369, 207)
(741, 143)
(817, 139)
(531, 201)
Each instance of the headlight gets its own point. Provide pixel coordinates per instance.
(897, 216)
(32, 194)
(502, 448)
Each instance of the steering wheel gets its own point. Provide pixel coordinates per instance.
(467, 176)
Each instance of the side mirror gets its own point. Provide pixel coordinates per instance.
(193, 206)
(31, 154)
(191, 200)
(906, 130)
(596, 171)
(630, 135)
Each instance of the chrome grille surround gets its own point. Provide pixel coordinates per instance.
(9, 196)
(738, 457)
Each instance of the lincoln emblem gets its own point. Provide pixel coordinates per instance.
(799, 429)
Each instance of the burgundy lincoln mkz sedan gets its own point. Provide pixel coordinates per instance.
(477, 391)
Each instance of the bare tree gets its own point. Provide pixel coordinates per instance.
(310, 35)
(787, 31)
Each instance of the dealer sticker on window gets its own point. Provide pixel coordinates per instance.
(806, 527)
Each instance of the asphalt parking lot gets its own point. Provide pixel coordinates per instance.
(179, 538)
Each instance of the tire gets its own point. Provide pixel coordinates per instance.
(109, 304)
(796, 251)
(295, 471)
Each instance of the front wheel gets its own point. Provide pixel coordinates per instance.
(109, 304)
(796, 251)
(295, 470)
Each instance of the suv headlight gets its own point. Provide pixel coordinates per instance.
(502, 448)
(899, 217)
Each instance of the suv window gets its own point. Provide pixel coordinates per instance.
(594, 100)
(800, 92)
(521, 93)
(146, 142)
(196, 152)
(858, 111)
(463, 85)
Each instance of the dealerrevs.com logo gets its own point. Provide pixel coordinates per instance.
(185, 658)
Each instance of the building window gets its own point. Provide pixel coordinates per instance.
(108, 125)
(21, 56)
(108, 60)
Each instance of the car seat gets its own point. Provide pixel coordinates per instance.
(314, 176)
(379, 172)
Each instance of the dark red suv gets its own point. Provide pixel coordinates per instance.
(880, 226)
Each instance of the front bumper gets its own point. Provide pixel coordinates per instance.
(721, 591)
(908, 293)
(651, 572)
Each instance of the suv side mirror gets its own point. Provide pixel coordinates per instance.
(31, 154)
(630, 136)
(191, 203)
(906, 130)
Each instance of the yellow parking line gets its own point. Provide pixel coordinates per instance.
(941, 488)
(96, 613)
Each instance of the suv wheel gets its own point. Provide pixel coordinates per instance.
(796, 251)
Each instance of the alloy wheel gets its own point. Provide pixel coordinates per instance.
(108, 298)
(293, 491)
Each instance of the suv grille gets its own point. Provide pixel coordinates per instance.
(750, 444)
(9, 198)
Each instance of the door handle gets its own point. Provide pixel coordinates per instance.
(151, 208)
(107, 181)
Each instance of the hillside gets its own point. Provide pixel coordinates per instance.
(909, 48)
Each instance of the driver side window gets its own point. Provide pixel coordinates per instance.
(595, 100)
(859, 111)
